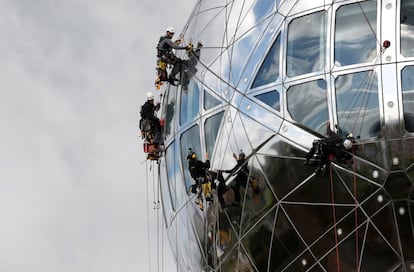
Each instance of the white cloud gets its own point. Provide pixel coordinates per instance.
(72, 77)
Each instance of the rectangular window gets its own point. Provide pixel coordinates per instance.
(407, 79)
(357, 104)
(307, 104)
(306, 44)
(355, 33)
(190, 104)
(211, 128)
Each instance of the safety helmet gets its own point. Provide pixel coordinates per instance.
(242, 155)
(150, 96)
(347, 143)
(191, 155)
(170, 29)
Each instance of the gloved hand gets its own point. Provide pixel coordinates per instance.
(189, 48)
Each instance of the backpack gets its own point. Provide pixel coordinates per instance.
(160, 51)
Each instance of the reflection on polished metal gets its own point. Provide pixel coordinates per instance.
(270, 76)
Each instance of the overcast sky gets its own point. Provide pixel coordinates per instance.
(73, 74)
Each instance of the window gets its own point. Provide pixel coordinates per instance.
(269, 71)
(175, 179)
(170, 111)
(407, 79)
(210, 101)
(355, 33)
(170, 162)
(271, 99)
(190, 104)
(306, 44)
(307, 104)
(211, 128)
(357, 104)
(407, 27)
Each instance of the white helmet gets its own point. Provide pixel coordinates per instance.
(150, 96)
(347, 144)
(170, 29)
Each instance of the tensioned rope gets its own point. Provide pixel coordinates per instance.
(360, 101)
(334, 220)
(369, 85)
(370, 76)
(148, 217)
(369, 23)
(356, 214)
(157, 214)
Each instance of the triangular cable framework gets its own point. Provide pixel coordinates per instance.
(235, 130)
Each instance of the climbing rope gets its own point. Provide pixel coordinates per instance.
(369, 23)
(148, 217)
(155, 183)
(334, 220)
(356, 213)
(367, 82)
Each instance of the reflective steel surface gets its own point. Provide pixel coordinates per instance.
(271, 75)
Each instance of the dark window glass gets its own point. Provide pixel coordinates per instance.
(170, 111)
(269, 71)
(357, 104)
(170, 162)
(211, 128)
(407, 27)
(175, 179)
(210, 101)
(407, 79)
(306, 44)
(271, 99)
(307, 104)
(190, 139)
(190, 104)
(355, 33)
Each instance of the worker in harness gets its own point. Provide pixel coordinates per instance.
(241, 170)
(198, 171)
(330, 148)
(190, 64)
(150, 124)
(166, 57)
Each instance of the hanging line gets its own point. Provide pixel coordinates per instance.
(364, 97)
(158, 240)
(370, 74)
(353, 101)
(334, 219)
(369, 24)
(154, 187)
(162, 240)
(159, 226)
(156, 206)
(364, 108)
(360, 101)
(356, 212)
(148, 217)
